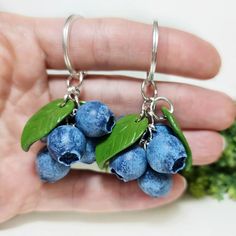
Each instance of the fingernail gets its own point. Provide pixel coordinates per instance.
(224, 143)
(185, 183)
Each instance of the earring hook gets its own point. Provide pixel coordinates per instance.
(149, 81)
(66, 43)
(73, 90)
(155, 39)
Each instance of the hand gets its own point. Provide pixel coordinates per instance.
(30, 46)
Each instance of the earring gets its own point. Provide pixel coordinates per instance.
(147, 147)
(70, 127)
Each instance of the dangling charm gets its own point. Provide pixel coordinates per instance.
(149, 148)
(69, 127)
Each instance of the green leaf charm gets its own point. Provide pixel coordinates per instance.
(178, 132)
(43, 121)
(126, 132)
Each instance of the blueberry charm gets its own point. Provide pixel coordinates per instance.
(166, 154)
(48, 169)
(89, 156)
(66, 144)
(129, 164)
(95, 119)
(67, 126)
(161, 128)
(148, 147)
(155, 184)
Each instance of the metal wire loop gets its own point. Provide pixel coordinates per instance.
(149, 84)
(66, 43)
(155, 38)
(168, 101)
(171, 108)
(75, 79)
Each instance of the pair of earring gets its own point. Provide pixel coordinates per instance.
(147, 147)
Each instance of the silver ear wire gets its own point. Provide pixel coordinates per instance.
(150, 101)
(73, 91)
(155, 39)
(149, 81)
(66, 43)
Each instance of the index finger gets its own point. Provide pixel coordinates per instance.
(117, 44)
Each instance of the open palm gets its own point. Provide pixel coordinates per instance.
(30, 46)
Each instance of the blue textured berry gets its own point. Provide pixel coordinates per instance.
(66, 144)
(95, 119)
(155, 184)
(166, 154)
(89, 155)
(162, 129)
(48, 169)
(129, 164)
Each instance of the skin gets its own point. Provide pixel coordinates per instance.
(29, 46)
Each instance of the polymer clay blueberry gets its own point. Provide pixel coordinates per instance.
(162, 129)
(129, 164)
(95, 119)
(89, 155)
(155, 184)
(166, 154)
(48, 169)
(66, 144)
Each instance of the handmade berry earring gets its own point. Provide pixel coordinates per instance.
(70, 127)
(148, 147)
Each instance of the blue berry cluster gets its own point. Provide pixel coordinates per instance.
(152, 168)
(67, 144)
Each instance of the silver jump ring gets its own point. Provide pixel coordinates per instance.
(155, 39)
(170, 104)
(144, 87)
(78, 76)
(66, 43)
